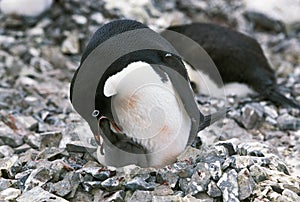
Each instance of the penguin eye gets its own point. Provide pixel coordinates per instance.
(95, 113)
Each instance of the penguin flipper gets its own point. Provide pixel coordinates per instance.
(277, 97)
(208, 120)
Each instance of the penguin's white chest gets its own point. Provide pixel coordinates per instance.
(150, 111)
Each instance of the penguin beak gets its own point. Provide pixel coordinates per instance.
(102, 130)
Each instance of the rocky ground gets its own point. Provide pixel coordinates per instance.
(48, 154)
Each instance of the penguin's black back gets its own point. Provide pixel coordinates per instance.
(239, 58)
(109, 30)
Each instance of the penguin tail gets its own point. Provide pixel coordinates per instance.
(277, 97)
(212, 118)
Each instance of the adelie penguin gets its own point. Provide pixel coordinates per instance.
(240, 61)
(133, 90)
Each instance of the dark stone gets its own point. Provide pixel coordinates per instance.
(139, 184)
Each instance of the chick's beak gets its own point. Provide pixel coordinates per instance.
(104, 129)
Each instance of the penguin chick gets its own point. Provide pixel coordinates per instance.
(239, 59)
(138, 89)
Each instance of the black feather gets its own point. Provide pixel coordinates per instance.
(239, 58)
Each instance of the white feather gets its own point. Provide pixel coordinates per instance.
(150, 111)
(205, 85)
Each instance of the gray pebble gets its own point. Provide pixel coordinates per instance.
(213, 190)
(146, 196)
(139, 184)
(38, 194)
(252, 115)
(246, 184)
(228, 185)
(9, 137)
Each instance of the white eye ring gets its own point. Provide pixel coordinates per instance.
(168, 55)
(95, 113)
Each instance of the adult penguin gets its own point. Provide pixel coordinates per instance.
(240, 61)
(133, 90)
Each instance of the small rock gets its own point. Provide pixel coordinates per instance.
(117, 197)
(252, 114)
(112, 184)
(97, 17)
(22, 177)
(281, 15)
(228, 185)
(163, 190)
(79, 19)
(9, 137)
(292, 196)
(38, 177)
(71, 44)
(34, 140)
(38, 194)
(99, 195)
(166, 198)
(189, 154)
(255, 149)
(200, 179)
(22, 148)
(215, 170)
(225, 148)
(203, 197)
(50, 139)
(182, 169)
(9, 194)
(288, 122)
(262, 21)
(246, 184)
(27, 122)
(258, 173)
(134, 170)
(98, 172)
(213, 190)
(64, 187)
(6, 151)
(184, 185)
(270, 111)
(167, 177)
(240, 162)
(82, 196)
(229, 130)
(10, 166)
(296, 89)
(6, 183)
(147, 196)
(139, 184)
(89, 185)
(51, 153)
